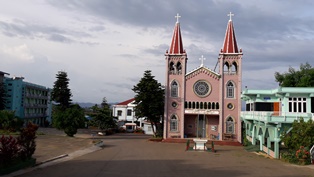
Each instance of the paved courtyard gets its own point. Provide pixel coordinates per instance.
(133, 155)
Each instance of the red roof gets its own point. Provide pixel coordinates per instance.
(176, 43)
(126, 102)
(230, 44)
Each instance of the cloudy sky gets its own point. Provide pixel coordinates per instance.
(106, 45)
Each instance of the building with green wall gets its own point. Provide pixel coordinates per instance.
(268, 113)
(29, 101)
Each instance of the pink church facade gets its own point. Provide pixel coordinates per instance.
(203, 103)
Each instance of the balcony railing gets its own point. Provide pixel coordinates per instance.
(266, 116)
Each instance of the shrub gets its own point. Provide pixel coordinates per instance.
(109, 132)
(70, 131)
(27, 142)
(138, 130)
(121, 130)
(9, 150)
(8, 121)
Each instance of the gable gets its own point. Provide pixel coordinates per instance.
(207, 77)
(202, 70)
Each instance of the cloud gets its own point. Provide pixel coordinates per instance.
(21, 52)
(22, 29)
(105, 46)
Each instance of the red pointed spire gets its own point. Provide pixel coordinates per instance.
(176, 43)
(230, 44)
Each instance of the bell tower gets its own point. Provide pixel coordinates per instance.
(176, 60)
(230, 69)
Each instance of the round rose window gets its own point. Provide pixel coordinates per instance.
(201, 88)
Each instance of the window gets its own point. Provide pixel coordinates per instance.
(173, 123)
(297, 105)
(230, 125)
(149, 128)
(174, 89)
(213, 105)
(230, 90)
(179, 68)
(226, 67)
(234, 68)
(171, 68)
(202, 88)
(119, 113)
(129, 113)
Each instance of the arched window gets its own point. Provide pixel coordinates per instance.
(171, 67)
(213, 105)
(186, 104)
(205, 105)
(230, 90)
(179, 68)
(234, 68)
(230, 125)
(173, 123)
(174, 89)
(197, 105)
(193, 105)
(209, 105)
(201, 105)
(217, 105)
(190, 105)
(226, 67)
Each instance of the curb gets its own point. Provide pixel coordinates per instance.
(52, 159)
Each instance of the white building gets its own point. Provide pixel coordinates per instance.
(125, 113)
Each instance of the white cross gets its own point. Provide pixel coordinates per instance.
(230, 14)
(202, 58)
(177, 17)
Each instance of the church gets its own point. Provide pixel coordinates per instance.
(203, 103)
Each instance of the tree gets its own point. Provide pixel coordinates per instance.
(301, 134)
(150, 101)
(102, 116)
(104, 103)
(69, 119)
(61, 94)
(8, 121)
(2, 96)
(297, 78)
(66, 117)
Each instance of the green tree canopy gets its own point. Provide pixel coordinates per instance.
(301, 134)
(150, 101)
(61, 93)
(296, 78)
(69, 119)
(102, 118)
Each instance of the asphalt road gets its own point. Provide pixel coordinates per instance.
(134, 156)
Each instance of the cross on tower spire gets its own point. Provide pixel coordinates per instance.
(177, 17)
(202, 58)
(230, 15)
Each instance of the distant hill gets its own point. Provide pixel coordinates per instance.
(88, 105)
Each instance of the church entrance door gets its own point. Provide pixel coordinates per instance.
(201, 127)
